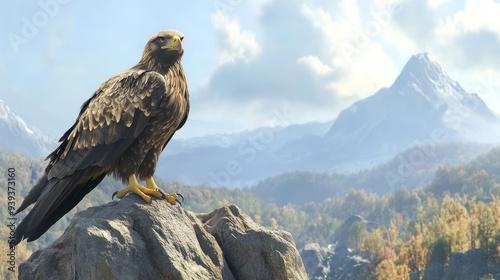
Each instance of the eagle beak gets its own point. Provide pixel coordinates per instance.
(175, 43)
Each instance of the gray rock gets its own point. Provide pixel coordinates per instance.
(342, 237)
(338, 261)
(315, 258)
(470, 265)
(433, 271)
(331, 263)
(353, 268)
(312, 257)
(130, 239)
(252, 251)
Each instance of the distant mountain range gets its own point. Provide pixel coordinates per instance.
(236, 159)
(17, 136)
(413, 168)
(424, 106)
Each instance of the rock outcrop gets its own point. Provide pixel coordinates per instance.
(129, 239)
(315, 260)
(334, 262)
(467, 266)
(342, 238)
(338, 261)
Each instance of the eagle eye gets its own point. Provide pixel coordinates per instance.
(161, 39)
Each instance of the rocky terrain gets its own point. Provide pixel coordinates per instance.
(129, 239)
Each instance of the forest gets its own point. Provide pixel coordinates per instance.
(458, 210)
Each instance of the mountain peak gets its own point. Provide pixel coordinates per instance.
(422, 68)
(423, 76)
(424, 58)
(20, 137)
(422, 100)
(4, 110)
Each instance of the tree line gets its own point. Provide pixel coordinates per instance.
(458, 211)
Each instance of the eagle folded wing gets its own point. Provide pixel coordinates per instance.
(108, 122)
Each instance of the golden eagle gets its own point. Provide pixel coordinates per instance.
(121, 130)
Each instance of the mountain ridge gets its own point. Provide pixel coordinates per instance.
(20, 137)
(438, 86)
(422, 106)
(422, 101)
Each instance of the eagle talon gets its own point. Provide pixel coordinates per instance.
(113, 196)
(143, 192)
(163, 195)
(171, 198)
(174, 198)
(179, 194)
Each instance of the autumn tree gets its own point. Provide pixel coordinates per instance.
(385, 270)
(357, 234)
(373, 245)
(487, 231)
(402, 272)
(473, 224)
(452, 223)
(418, 253)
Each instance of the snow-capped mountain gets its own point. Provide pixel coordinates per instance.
(423, 106)
(17, 136)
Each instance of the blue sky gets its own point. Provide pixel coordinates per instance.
(249, 63)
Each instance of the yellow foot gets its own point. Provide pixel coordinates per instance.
(135, 187)
(150, 183)
(171, 198)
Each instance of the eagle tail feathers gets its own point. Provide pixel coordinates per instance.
(34, 194)
(54, 198)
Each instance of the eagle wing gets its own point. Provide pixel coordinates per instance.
(108, 123)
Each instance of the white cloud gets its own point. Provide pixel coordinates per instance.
(333, 53)
(367, 72)
(308, 61)
(354, 48)
(317, 56)
(334, 32)
(234, 43)
(477, 15)
(315, 64)
(437, 3)
(350, 9)
(470, 39)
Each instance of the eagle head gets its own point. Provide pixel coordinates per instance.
(164, 48)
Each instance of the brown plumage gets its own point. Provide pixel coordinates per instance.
(121, 130)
